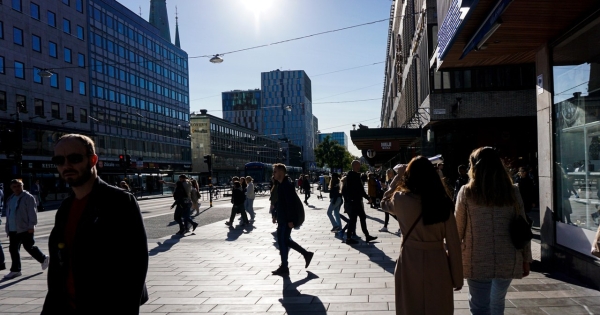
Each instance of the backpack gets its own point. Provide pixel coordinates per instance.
(299, 210)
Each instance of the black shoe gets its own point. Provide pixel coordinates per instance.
(350, 241)
(180, 232)
(308, 258)
(2, 266)
(281, 271)
(194, 226)
(370, 238)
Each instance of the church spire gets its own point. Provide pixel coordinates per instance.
(159, 18)
(177, 29)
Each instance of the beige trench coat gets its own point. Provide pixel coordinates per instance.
(425, 273)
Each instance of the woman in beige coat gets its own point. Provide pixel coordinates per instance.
(484, 209)
(427, 268)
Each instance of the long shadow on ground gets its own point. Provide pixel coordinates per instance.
(300, 304)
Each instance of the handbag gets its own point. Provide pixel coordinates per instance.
(520, 232)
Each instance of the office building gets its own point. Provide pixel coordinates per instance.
(139, 88)
(340, 137)
(231, 147)
(287, 109)
(243, 108)
(37, 36)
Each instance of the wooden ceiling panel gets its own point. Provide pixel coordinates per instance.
(527, 24)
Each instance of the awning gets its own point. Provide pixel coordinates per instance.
(496, 32)
(384, 143)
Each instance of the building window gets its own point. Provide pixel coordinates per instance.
(3, 100)
(70, 113)
(21, 103)
(1, 30)
(79, 5)
(34, 11)
(16, 5)
(52, 49)
(36, 43)
(1, 64)
(69, 84)
(51, 18)
(39, 107)
(66, 26)
(18, 36)
(82, 88)
(36, 75)
(67, 53)
(19, 70)
(80, 32)
(67, 2)
(54, 81)
(81, 60)
(55, 107)
(83, 116)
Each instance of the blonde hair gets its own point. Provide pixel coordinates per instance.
(489, 181)
(249, 179)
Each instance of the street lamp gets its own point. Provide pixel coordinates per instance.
(45, 73)
(216, 59)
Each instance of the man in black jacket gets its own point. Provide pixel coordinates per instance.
(98, 247)
(287, 218)
(353, 195)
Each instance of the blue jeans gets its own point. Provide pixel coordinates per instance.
(486, 296)
(249, 206)
(333, 212)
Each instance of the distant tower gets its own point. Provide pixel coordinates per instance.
(159, 18)
(177, 29)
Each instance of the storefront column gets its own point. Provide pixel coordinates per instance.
(545, 157)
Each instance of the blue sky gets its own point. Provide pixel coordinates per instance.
(215, 26)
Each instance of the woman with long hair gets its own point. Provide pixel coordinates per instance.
(335, 202)
(485, 207)
(249, 202)
(389, 176)
(429, 266)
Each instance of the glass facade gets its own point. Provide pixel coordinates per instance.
(576, 123)
(283, 90)
(139, 87)
(242, 108)
(340, 137)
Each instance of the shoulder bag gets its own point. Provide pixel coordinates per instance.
(405, 236)
(520, 232)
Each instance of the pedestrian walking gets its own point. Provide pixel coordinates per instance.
(183, 205)
(237, 199)
(273, 198)
(300, 183)
(372, 189)
(36, 192)
(195, 196)
(98, 246)
(335, 203)
(306, 187)
(355, 191)
(389, 176)
(287, 218)
(249, 202)
(462, 180)
(430, 263)
(485, 208)
(21, 219)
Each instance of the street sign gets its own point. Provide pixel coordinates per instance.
(313, 165)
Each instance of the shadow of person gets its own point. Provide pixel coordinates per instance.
(164, 246)
(295, 303)
(235, 233)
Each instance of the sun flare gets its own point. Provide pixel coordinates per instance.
(258, 6)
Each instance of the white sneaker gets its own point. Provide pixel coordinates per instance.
(383, 229)
(46, 263)
(12, 275)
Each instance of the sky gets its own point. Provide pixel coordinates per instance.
(208, 27)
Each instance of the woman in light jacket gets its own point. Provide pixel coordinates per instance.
(484, 209)
(429, 266)
(335, 203)
(249, 203)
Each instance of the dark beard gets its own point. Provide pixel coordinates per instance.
(84, 178)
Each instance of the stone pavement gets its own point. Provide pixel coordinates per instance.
(223, 271)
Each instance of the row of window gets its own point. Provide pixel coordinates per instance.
(121, 98)
(488, 78)
(131, 122)
(36, 45)
(34, 12)
(39, 108)
(19, 69)
(113, 145)
(133, 57)
(17, 5)
(122, 28)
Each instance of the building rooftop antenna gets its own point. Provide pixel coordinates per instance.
(140, 10)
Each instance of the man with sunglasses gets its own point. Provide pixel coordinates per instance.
(98, 246)
(21, 219)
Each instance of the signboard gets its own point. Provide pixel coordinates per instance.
(313, 165)
(386, 146)
(540, 84)
(439, 111)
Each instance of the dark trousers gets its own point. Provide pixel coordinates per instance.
(25, 238)
(234, 211)
(357, 211)
(285, 242)
(306, 194)
(182, 215)
(387, 219)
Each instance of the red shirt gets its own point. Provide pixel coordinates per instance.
(75, 213)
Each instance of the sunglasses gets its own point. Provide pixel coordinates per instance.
(74, 158)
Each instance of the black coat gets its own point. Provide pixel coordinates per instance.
(286, 207)
(354, 190)
(109, 255)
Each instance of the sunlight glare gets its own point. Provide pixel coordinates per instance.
(258, 6)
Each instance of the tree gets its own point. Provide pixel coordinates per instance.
(332, 154)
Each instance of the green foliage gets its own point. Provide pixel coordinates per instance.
(332, 154)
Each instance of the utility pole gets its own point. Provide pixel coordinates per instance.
(208, 161)
(19, 149)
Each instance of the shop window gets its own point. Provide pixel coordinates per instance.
(576, 123)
